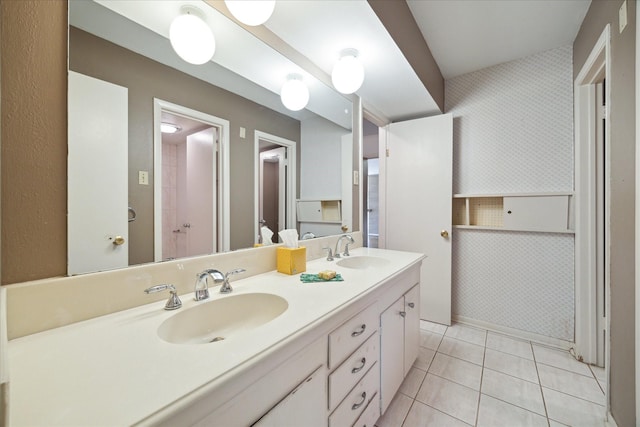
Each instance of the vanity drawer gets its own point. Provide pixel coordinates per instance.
(351, 334)
(370, 415)
(352, 370)
(357, 400)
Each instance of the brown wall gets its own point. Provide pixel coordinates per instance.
(147, 79)
(622, 123)
(33, 47)
(397, 18)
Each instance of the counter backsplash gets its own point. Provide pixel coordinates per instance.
(50, 303)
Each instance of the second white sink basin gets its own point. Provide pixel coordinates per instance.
(219, 319)
(361, 262)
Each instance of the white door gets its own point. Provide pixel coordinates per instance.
(415, 193)
(97, 200)
(201, 192)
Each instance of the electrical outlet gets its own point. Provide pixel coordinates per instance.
(143, 177)
(356, 178)
(622, 16)
(243, 132)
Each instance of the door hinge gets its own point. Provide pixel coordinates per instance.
(387, 152)
(603, 112)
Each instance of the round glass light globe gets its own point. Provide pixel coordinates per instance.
(347, 75)
(192, 39)
(294, 95)
(251, 12)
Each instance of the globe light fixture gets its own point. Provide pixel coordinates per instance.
(251, 12)
(294, 93)
(191, 37)
(348, 73)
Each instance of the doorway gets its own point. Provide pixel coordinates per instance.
(275, 185)
(592, 207)
(370, 188)
(190, 187)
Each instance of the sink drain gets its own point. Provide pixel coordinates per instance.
(216, 339)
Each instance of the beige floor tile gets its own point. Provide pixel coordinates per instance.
(422, 415)
(571, 383)
(496, 413)
(430, 340)
(396, 412)
(560, 359)
(553, 423)
(462, 350)
(453, 399)
(437, 328)
(511, 365)
(456, 370)
(572, 411)
(425, 356)
(599, 373)
(467, 333)
(412, 382)
(509, 345)
(513, 390)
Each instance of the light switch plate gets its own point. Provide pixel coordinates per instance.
(622, 16)
(243, 132)
(356, 178)
(143, 177)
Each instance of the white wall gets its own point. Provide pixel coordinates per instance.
(513, 133)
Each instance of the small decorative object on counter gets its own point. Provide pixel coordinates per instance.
(313, 278)
(291, 259)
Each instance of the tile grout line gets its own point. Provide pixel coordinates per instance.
(544, 400)
(484, 358)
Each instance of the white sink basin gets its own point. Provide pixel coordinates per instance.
(219, 319)
(361, 262)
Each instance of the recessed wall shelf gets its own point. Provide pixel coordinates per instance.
(320, 211)
(542, 212)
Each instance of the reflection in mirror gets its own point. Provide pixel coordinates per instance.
(134, 53)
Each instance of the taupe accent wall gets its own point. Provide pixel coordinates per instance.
(33, 47)
(147, 79)
(397, 18)
(622, 122)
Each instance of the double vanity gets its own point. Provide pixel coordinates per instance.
(274, 351)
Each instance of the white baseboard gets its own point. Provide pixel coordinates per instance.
(610, 422)
(516, 333)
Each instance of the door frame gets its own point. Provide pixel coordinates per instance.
(223, 201)
(290, 205)
(597, 64)
(282, 197)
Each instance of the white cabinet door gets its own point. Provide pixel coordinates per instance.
(391, 352)
(411, 327)
(536, 213)
(98, 191)
(415, 193)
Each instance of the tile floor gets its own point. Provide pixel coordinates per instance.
(471, 377)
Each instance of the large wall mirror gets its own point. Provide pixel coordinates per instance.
(227, 111)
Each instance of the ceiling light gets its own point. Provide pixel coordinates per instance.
(169, 128)
(294, 93)
(348, 73)
(251, 12)
(191, 37)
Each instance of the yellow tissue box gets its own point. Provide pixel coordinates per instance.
(291, 260)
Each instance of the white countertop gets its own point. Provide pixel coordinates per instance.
(115, 370)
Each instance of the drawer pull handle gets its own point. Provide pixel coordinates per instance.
(411, 305)
(359, 368)
(403, 313)
(360, 332)
(357, 405)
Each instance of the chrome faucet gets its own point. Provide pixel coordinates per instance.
(201, 288)
(336, 253)
(173, 302)
(226, 287)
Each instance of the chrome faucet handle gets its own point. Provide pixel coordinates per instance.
(346, 250)
(173, 302)
(330, 254)
(201, 288)
(226, 287)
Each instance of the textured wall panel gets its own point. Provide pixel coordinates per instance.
(517, 279)
(513, 133)
(513, 125)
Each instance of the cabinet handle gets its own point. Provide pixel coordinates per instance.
(359, 368)
(360, 332)
(411, 305)
(403, 313)
(357, 405)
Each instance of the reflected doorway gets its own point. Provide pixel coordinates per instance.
(371, 171)
(190, 185)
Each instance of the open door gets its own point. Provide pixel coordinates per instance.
(415, 193)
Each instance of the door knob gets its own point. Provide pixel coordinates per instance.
(118, 240)
(444, 233)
